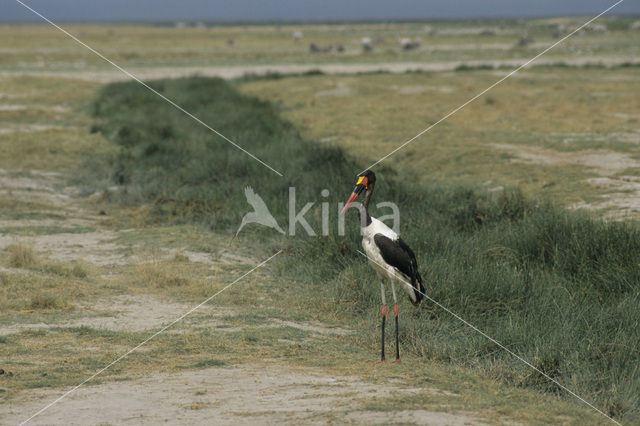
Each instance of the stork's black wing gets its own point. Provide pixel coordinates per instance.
(399, 255)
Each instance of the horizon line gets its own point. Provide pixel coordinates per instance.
(294, 21)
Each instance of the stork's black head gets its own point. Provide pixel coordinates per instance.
(366, 180)
(371, 177)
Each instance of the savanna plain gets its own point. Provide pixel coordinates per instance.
(118, 215)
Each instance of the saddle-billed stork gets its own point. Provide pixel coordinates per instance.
(389, 256)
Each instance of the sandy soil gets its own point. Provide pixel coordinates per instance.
(243, 394)
(132, 313)
(47, 188)
(149, 313)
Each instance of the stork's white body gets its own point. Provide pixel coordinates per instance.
(377, 262)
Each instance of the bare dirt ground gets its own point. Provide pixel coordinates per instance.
(109, 75)
(47, 188)
(245, 394)
(266, 393)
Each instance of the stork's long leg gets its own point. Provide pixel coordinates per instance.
(384, 317)
(395, 314)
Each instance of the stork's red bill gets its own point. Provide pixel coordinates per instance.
(361, 185)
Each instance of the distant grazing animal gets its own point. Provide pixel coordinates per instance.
(428, 29)
(596, 28)
(408, 44)
(388, 255)
(314, 48)
(558, 30)
(524, 41)
(367, 44)
(260, 213)
(297, 35)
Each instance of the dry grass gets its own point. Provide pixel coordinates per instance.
(179, 257)
(75, 270)
(21, 292)
(37, 47)
(41, 284)
(47, 133)
(162, 273)
(21, 256)
(47, 301)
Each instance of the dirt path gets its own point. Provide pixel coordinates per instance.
(47, 189)
(110, 74)
(244, 394)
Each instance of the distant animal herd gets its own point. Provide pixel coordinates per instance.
(367, 44)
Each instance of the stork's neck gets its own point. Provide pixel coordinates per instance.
(365, 204)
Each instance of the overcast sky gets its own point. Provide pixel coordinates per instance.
(61, 10)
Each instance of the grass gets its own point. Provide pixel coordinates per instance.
(48, 134)
(37, 48)
(207, 172)
(41, 284)
(29, 293)
(46, 301)
(44, 230)
(515, 135)
(160, 274)
(338, 291)
(558, 288)
(21, 256)
(209, 363)
(76, 270)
